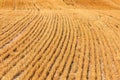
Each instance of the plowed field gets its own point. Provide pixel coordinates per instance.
(59, 40)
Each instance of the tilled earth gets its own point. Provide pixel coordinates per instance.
(59, 44)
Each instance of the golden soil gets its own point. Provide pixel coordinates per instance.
(59, 40)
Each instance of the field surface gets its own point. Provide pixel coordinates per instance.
(59, 40)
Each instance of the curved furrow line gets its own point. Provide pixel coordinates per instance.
(91, 68)
(113, 55)
(4, 54)
(53, 53)
(85, 67)
(46, 38)
(5, 40)
(100, 51)
(69, 61)
(100, 72)
(74, 64)
(104, 62)
(63, 74)
(111, 65)
(111, 32)
(6, 22)
(96, 55)
(27, 39)
(65, 65)
(38, 52)
(47, 49)
(52, 41)
(111, 52)
(115, 41)
(28, 58)
(52, 60)
(74, 67)
(10, 50)
(60, 51)
(37, 57)
(24, 47)
(9, 47)
(11, 56)
(56, 57)
(59, 68)
(106, 58)
(8, 74)
(9, 26)
(33, 49)
(97, 52)
(36, 62)
(13, 41)
(91, 63)
(115, 52)
(99, 65)
(13, 14)
(9, 37)
(81, 48)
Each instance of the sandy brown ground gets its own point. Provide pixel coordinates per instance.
(59, 40)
